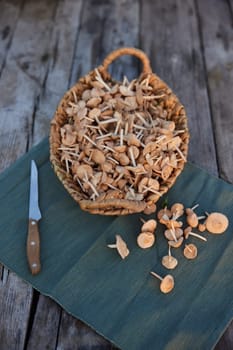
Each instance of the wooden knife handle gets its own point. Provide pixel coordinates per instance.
(33, 246)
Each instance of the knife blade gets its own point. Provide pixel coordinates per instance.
(33, 237)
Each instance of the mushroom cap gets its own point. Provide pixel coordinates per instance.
(192, 219)
(190, 251)
(178, 233)
(216, 223)
(149, 226)
(167, 284)
(201, 227)
(177, 208)
(173, 223)
(121, 247)
(162, 212)
(169, 262)
(187, 231)
(175, 244)
(145, 240)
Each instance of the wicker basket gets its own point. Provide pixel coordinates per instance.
(87, 136)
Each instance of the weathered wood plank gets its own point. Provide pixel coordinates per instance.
(45, 326)
(75, 335)
(9, 14)
(20, 83)
(15, 300)
(23, 78)
(217, 35)
(60, 58)
(106, 25)
(170, 36)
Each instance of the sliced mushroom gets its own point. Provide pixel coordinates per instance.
(188, 232)
(121, 247)
(167, 283)
(190, 251)
(216, 223)
(169, 261)
(145, 240)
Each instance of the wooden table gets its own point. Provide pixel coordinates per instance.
(45, 46)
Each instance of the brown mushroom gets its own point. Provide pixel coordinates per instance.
(177, 210)
(169, 261)
(176, 244)
(201, 227)
(190, 251)
(164, 213)
(173, 234)
(145, 240)
(216, 223)
(121, 247)
(167, 283)
(188, 232)
(149, 226)
(192, 218)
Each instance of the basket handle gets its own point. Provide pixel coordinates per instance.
(128, 51)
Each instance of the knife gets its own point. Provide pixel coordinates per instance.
(33, 238)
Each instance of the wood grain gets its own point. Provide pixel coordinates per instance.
(175, 51)
(45, 46)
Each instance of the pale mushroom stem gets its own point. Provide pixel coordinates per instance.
(173, 233)
(121, 137)
(112, 245)
(132, 157)
(188, 248)
(201, 217)
(155, 275)
(142, 220)
(194, 207)
(198, 236)
(169, 250)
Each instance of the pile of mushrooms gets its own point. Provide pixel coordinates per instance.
(215, 223)
(119, 140)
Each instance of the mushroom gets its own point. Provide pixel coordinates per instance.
(176, 244)
(188, 232)
(201, 227)
(145, 240)
(149, 226)
(216, 223)
(169, 261)
(173, 234)
(190, 251)
(164, 213)
(177, 210)
(121, 247)
(167, 283)
(192, 218)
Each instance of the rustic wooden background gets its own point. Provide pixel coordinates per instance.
(45, 46)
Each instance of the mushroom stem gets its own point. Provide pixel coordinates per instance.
(194, 207)
(112, 245)
(169, 250)
(155, 275)
(142, 220)
(121, 137)
(186, 246)
(173, 232)
(197, 235)
(132, 157)
(201, 217)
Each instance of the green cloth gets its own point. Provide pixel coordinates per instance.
(119, 298)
